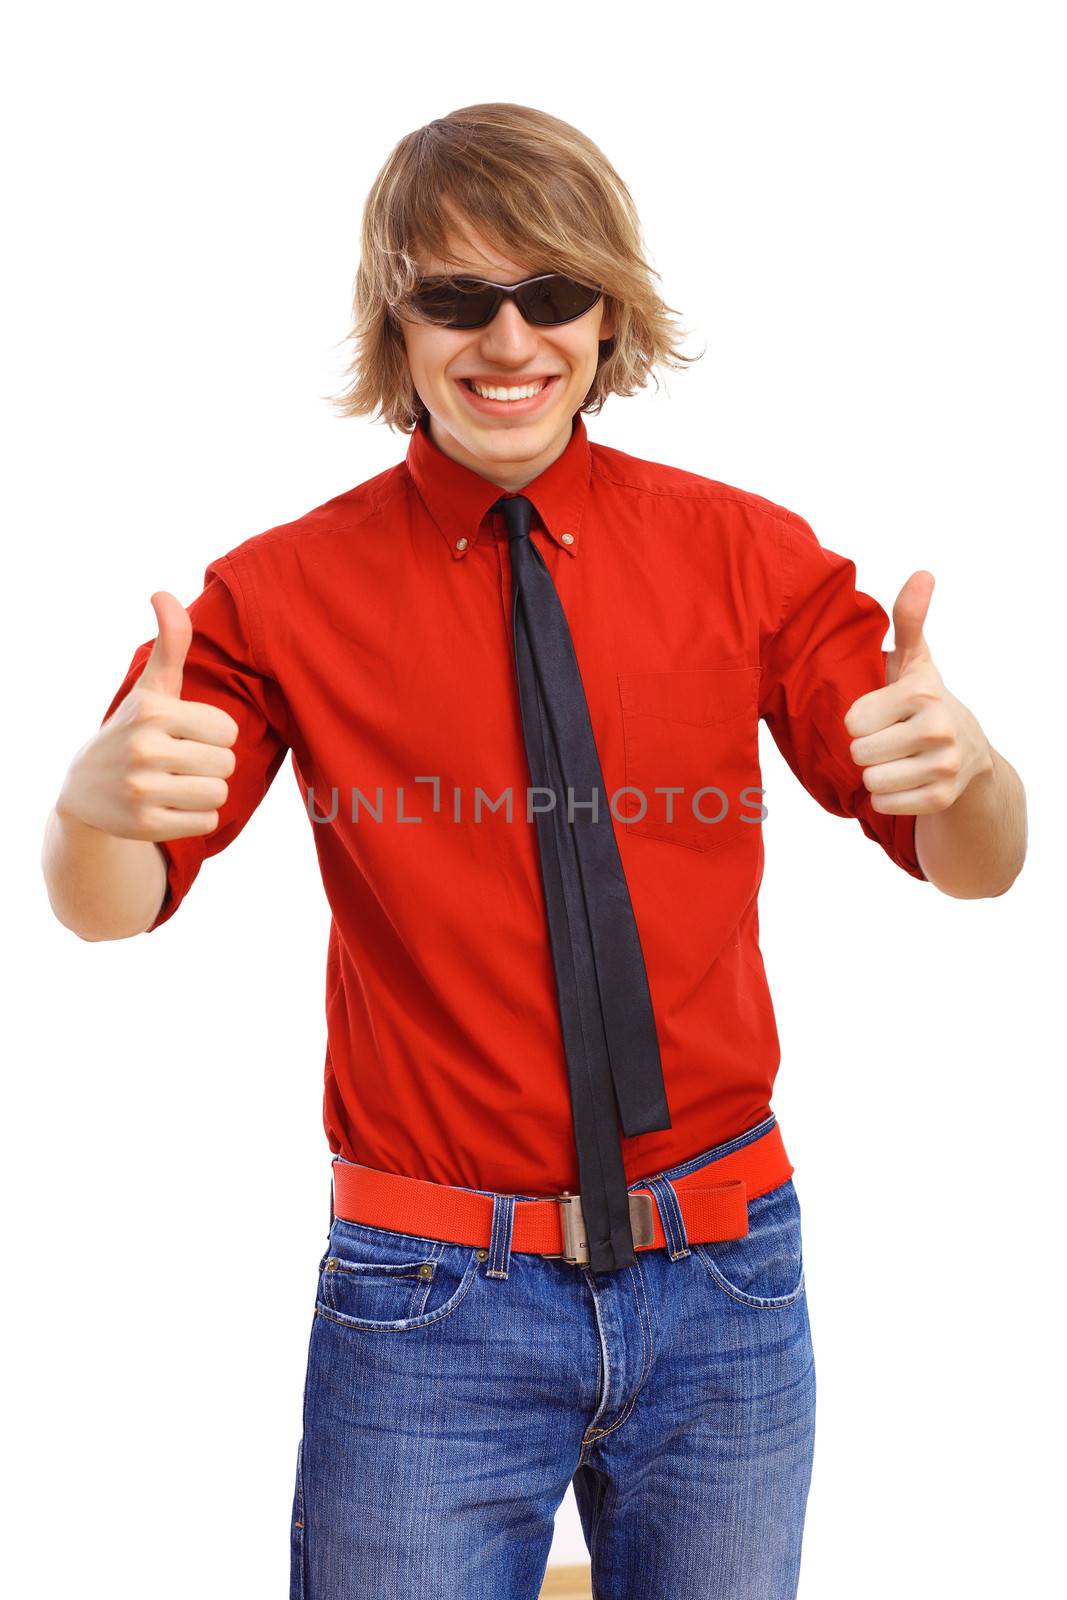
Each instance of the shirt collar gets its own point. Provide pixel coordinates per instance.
(458, 499)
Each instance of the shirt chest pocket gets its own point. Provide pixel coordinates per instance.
(698, 732)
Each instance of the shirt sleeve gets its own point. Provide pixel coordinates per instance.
(826, 651)
(223, 668)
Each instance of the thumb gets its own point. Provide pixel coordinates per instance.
(163, 670)
(909, 615)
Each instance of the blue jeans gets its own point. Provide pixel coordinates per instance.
(446, 1412)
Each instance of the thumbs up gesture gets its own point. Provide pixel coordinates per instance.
(918, 746)
(157, 769)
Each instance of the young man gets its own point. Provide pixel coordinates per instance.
(520, 676)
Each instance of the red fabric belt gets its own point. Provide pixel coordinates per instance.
(553, 1225)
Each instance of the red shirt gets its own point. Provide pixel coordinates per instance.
(372, 639)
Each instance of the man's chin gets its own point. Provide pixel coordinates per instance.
(512, 442)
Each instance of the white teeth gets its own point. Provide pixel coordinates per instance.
(525, 393)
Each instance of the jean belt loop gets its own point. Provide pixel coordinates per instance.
(670, 1215)
(500, 1239)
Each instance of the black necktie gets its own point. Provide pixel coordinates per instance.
(609, 1031)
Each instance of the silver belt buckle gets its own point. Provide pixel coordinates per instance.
(575, 1243)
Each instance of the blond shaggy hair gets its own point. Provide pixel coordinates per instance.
(538, 190)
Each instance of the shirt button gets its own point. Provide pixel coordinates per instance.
(461, 544)
(568, 538)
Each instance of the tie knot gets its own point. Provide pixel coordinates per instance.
(517, 512)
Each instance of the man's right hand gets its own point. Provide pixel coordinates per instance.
(157, 769)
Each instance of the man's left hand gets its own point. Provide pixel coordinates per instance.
(918, 745)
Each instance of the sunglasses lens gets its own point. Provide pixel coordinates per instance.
(456, 302)
(557, 299)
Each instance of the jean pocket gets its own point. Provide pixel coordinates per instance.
(765, 1268)
(697, 732)
(375, 1278)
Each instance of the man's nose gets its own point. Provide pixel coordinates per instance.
(509, 334)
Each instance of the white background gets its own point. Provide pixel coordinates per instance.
(853, 208)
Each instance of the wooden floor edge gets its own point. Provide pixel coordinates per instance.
(567, 1583)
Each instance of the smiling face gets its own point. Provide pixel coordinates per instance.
(507, 441)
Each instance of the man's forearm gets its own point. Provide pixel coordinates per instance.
(975, 849)
(101, 886)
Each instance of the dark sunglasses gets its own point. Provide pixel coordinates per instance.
(547, 301)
